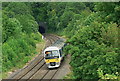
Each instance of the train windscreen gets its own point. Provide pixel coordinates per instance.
(51, 54)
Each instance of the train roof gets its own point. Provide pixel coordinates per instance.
(57, 45)
(51, 48)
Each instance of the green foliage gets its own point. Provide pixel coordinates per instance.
(36, 37)
(110, 11)
(107, 76)
(39, 11)
(29, 25)
(20, 35)
(94, 42)
(60, 14)
(18, 8)
(11, 27)
(14, 51)
(92, 30)
(89, 54)
(111, 35)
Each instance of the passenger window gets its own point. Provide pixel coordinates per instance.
(62, 48)
(60, 53)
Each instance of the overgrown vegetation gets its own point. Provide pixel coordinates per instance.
(20, 35)
(93, 36)
(92, 30)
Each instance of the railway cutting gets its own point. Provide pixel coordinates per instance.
(37, 69)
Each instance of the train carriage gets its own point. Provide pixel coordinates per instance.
(53, 54)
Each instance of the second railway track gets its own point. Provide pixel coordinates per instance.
(37, 70)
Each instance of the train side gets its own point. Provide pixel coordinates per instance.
(53, 55)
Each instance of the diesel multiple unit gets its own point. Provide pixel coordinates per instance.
(53, 55)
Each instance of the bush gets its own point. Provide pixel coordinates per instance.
(90, 55)
(16, 51)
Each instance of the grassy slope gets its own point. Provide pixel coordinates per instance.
(39, 47)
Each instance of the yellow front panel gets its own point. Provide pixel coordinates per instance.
(52, 60)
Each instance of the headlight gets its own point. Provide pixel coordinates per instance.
(48, 63)
(57, 63)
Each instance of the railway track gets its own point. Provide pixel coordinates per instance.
(37, 70)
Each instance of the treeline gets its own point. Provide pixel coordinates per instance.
(92, 30)
(19, 34)
(93, 36)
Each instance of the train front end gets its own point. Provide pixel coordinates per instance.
(52, 57)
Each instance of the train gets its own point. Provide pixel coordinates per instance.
(53, 55)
